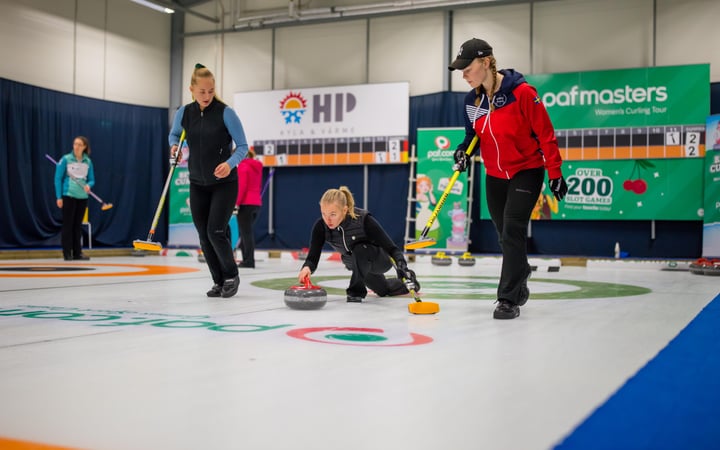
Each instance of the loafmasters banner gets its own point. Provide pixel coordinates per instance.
(632, 141)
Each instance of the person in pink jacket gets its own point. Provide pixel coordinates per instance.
(248, 204)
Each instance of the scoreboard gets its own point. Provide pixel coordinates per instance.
(652, 142)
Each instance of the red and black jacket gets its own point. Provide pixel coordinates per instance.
(516, 134)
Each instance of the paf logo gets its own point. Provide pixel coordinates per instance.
(292, 107)
(442, 142)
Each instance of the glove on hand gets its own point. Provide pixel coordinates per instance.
(462, 160)
(559, 187)
(411, 281)
(401, 266)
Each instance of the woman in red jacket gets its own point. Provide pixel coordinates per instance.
(248, 204)
(517, 143)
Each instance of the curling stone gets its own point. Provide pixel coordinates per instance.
(441, 259)
(305, 296)
(466, 259)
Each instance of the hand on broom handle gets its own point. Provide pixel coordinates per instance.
(422, 241)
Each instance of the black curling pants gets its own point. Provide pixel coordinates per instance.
(510, 203)
(368, 264)
(211, 208)
(73, 211)
(246, 218)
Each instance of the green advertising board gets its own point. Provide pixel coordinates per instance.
(435, 149)
(668, 95)
(645, 189)
(711, 219)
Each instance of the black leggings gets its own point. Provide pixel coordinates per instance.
(246, 218)
(510, 203)
(368, 264)
(73, 211)
(211, 208)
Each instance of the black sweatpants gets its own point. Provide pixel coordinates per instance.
(73, 211)
(246, 218)
(211, 208)
(510, 203)
(369, 264)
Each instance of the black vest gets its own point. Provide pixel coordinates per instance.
(348, 234)
(209, 142)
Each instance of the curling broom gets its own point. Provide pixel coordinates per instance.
(149, 244)
(424, 241)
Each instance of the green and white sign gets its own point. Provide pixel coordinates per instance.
(711, 225)
(669, 95)
(435, 149)
(643, 189)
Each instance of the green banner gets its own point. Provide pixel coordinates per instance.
(181, 231)
(670, 95)
(435, 149)
(642, 189)
(711, 219)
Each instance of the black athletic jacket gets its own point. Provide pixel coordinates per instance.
(351, 232)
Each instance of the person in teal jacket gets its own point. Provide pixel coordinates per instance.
(74, 177)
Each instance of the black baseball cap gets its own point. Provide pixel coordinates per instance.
(474, 48)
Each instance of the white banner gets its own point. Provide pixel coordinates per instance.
(358, 124)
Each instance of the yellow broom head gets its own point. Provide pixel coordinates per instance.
(420, 243)
(106, 206)
(423, 308)
(147, 245)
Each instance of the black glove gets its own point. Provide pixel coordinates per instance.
(406, 275)
(559, 187)
(401, 267)
(462, 160)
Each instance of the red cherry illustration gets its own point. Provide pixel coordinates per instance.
(628, 185)
(639, 186)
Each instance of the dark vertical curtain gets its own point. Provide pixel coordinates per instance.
(129, 154)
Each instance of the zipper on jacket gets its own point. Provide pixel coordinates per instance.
(343, 239)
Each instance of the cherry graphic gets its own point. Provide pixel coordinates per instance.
(639, 186)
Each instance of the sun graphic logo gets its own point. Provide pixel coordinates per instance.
(293, 107)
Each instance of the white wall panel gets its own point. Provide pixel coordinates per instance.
(138, 56)
(579, 35)
(248, 62)
(506, 29)
(329, 54)
(37, 42)
(90, 57)
(408, 48)
(125, 59)
(688, 34)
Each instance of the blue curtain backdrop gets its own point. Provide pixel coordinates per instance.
(129, 154)
(131, 163)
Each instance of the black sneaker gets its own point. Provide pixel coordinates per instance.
(506, 310)
(230, 287)
(354, 299)
(214, 291)
(81, 257)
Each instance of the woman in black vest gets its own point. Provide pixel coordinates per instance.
(363, 244)
(210, 128)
